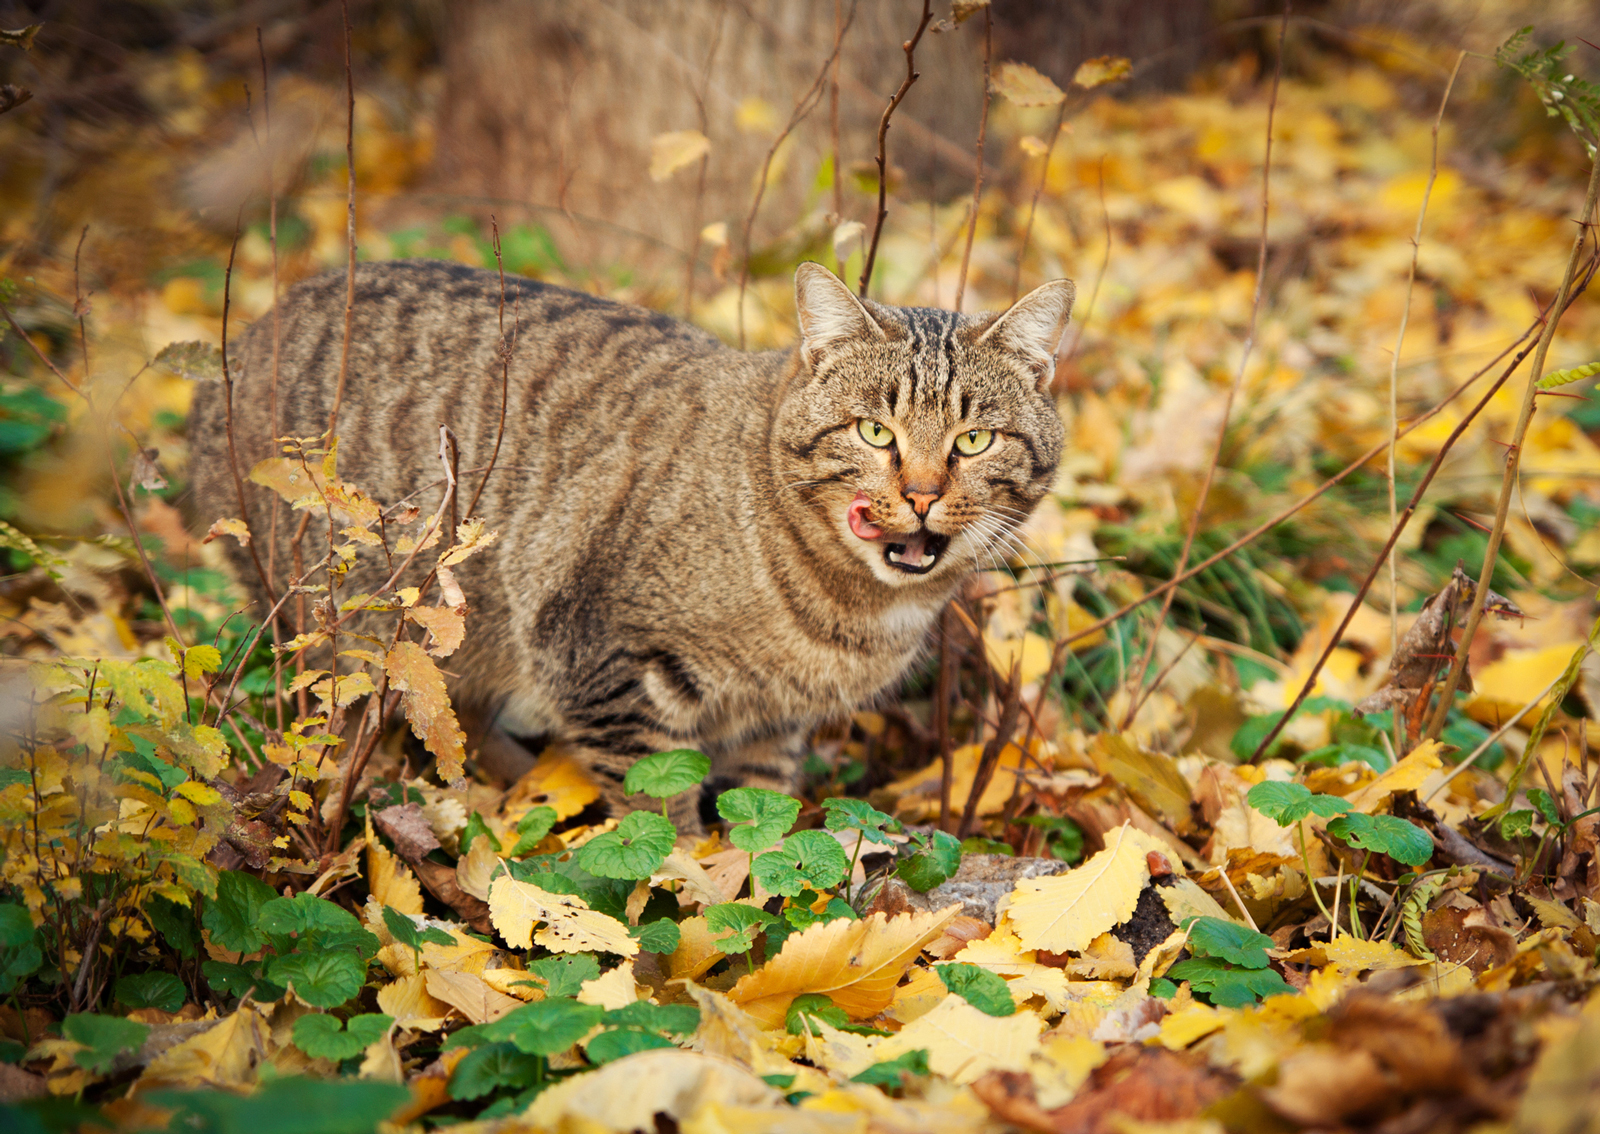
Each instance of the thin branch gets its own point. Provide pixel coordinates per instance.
(941, 715)
(506, 350)
(277, 339)
(349, 223)
(227, 409)
(699, 94)
(1134, 699)
(1513, 458)
(1038, 189)
(803, 106)
(833, 122)
(1394, 384)
(1394, 537)
(977, 183)
(910, 48)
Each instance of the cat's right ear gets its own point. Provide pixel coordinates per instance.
(830, 315)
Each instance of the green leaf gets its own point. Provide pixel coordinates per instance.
(175, 922)
(659, 936)
(309, 922)
(151, 990)
(734, 925)
(532, 828)
(325, 978)
(1518, 824)
(1288, 803)
(985, 991)
(1226, 986)
(762, 817)
(406, 931)
(1163, 989)
(816, 1006)
(1249, 735)
(933, 865)
(1335, 755)
(237, 980)
(547, 1026)
(232, 916)
(669, 1019)
(323, 1037)
(842, 814)
(1400, 839)
(617, 1042)
(490, 1068)
(808, 859)
(635, 849)
(1546, 804)
(293, 1104)
(104, 1038)
(667, 773)
(895, 1072)
(474, 828)
(1214, 937)
(19, 946)
(564, 974)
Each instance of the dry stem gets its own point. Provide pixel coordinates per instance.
(977, 183)
(910, 48)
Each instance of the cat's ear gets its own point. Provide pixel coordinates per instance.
(1032, 329)
(830, 315)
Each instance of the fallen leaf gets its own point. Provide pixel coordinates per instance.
(1064, 912)
(225, 1055)
(468, 994)
(964, 1043)
(570, 926)
(629, 1093)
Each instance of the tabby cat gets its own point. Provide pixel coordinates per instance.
(699, 547)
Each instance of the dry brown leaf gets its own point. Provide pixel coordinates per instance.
(856, 963)
(427, 706)
(1064, 912)
(446, 627)
(1101, 70)
(570, 926)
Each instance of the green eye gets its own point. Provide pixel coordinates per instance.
(973, 441)
(875, 433)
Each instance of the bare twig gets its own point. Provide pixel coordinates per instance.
(1490, 741)
(941, 715)
(989, 759)
(349, 223)
(227, 410)
(910, 48)
(506, 349)
(1514, 456)
(1394, 383)
(1134, 699)
(833, 122)
(1038, 189)
(803, 106)
(1394, 536)
(699, 93)
(977, 183)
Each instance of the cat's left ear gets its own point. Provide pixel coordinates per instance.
(1032, 329)
(830, 314)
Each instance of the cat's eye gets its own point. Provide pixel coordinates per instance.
(973, 441)
(875, 433)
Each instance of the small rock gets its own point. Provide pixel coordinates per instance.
(982, 880)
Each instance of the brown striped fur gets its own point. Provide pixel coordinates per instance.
(675, 565)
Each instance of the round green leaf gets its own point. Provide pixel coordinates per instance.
(1213, 937)
(323, 1037)
(667, 773)
(151, 990)
(734, 925)
(842, 814)
(490, 1068)
(763, 816)
(617, 1042)
(808, 858)
(548, 1026)
(323, 979)
(659, 936)
(1287, 803)
(232, 916)
(1400, 839)
(103, 1038)
(979, 987)
(636, 849)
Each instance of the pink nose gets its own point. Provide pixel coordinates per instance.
(921, 501)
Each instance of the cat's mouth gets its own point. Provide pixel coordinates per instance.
(914, 553)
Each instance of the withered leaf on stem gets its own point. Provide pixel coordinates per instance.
(12, 96)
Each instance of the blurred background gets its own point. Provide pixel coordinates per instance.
(622, 146)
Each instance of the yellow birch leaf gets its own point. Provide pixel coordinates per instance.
(570, 925)
(1064, 912)
(202, 794)
(1105, 958)
(1506, 685)
(922, 992)
(225, 1055)
(611, 990)
(446, 627)
(427, 706)
(1101, 70)
(628, 1093)
(697, 884)
(300, 485)
(696, 951)
(844, 1053)
(1355, 955)
(1062, 1066)
(465, 955)
(729, 1031)
(389, 880)
(964, 1044)
(856, 963)
(1021, 85)
(1002, 954)
(1407, 775)
(382, 1061)
(1186, 1025)
(556, 781)
(468, 994)
(672, 151)
(407, 1000)
(917, 796)
(1185, 899)
(476, 869)
(513, 982)
(471, 538)
(229, 527)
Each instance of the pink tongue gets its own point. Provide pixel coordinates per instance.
(916, 547)
(856, 516)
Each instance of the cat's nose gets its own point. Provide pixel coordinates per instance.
(921, 501)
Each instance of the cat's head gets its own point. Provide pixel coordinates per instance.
(922, 437)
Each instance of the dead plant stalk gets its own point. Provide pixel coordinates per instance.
(912, 75)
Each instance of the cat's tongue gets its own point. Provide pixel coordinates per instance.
(856, 515)
(912, 551)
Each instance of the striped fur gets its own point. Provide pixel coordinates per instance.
(675, 567)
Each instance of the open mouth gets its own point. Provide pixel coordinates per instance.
(915, 553)
(918, 554)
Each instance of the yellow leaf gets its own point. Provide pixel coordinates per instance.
(844, 1053)
(389, 880)
(917, 795)
(856, 963)
(611, 990)
(406, 999)
(756, 116)
(300, 485)
(477, 868)
(446, 627)
(1067, 911)
(696, 951)
(729, 1031)
(1355, 955)
(468, 994)
(229, 527)
(427, 706)
(1002, 954)
(1183, 1027)
(1099, 71)
(556, 781)
(697, 885)
(225, 1055)
(628, 1093)
(196, 792)
(382, 1060)
(1506, 685)
(1020, 84)
(471, 538)
(1031, 650)
(964, 1044)
(671, 152)
(570, 925)
(1407, 775)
